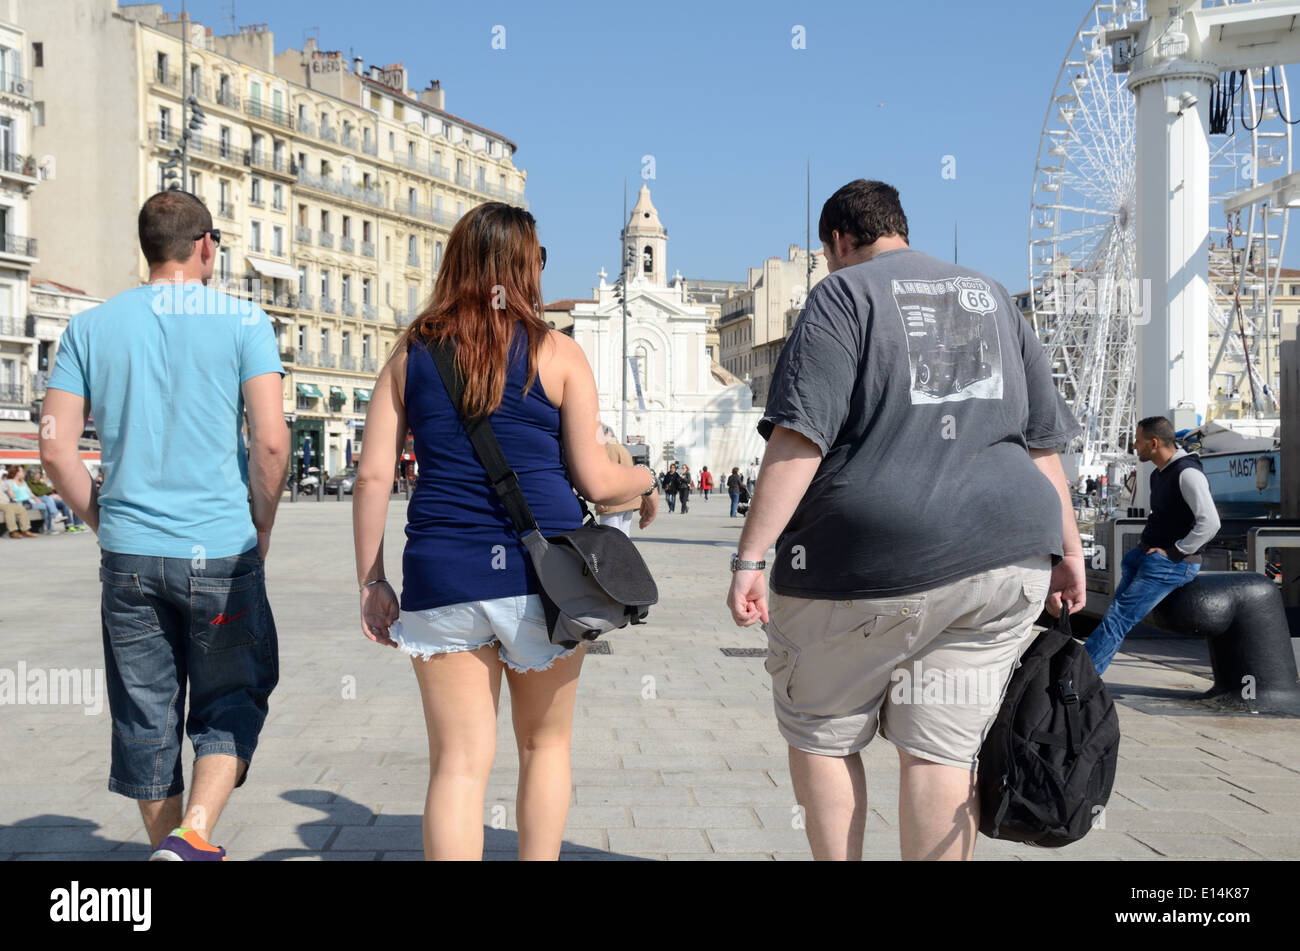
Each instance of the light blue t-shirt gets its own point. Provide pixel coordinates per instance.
(162, 366)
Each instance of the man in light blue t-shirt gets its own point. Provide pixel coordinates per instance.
(169, 371)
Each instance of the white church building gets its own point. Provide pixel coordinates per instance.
(684, 406)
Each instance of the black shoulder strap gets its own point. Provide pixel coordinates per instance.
(503, 478)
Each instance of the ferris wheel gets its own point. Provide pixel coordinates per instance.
(1085, 297)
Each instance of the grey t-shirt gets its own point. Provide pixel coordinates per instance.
(924, 388)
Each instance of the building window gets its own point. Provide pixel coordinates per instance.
(38, 55)
(325, 221)
(302, 279)
(392, 140)
(223, 263)
(164, 123)
(347, 226)
(412, 250)
(345, 342)
(648, 260)
(277, 197)
(1277, 320)
(162, 71)
(365, 231)
(255, 235)
(255, 191)
(346, 289)
(196, 78)
(324, 284)
(324, 340)
(437, 255)
(365, 293)
(365, 347)
(223, 141)
(412, 296)
(277, 241)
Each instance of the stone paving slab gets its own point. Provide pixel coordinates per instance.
(676, 755)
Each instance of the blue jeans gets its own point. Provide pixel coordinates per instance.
(46, 505)
(169, 624)
(672, 501)
(1145, 579)
(72, 517)
(735, 500)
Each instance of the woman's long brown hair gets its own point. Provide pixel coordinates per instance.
(489, 280)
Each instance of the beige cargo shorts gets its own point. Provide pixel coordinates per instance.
(928, 671)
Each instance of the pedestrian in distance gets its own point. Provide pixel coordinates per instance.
(751, 476)
(671, 485)
(911, 408)
(684, 487)
(470, 610)
(735, 483)
(184, 603)
(1183, 519)
(706, 482)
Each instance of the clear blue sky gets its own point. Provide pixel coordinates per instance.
(730, 111)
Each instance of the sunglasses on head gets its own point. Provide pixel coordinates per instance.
(215, 232)
(543, 257)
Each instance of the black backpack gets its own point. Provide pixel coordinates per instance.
(1047, 764)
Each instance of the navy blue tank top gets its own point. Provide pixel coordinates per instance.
(460, 544)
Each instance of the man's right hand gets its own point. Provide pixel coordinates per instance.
(1069, 583)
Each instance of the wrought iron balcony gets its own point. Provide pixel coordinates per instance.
(328, 360)
(368, 311)
(307, 127)
(369, 365)
(402, 317)
(257, 202)
(13, 327)
(370, 147)
(325, 239)
(329, 133)
(162, 76)
(462, 180)
(13, 395)
(306, 358)
(226, 210)
(262, 110)
(368, 248)
(371, 196)
(347, 362)
(328, 306)
(350, 141)
(347, 243)
(413, 260)
(302, 234)
(17, 244)
(349, 309)
(227, 97)
(306, 302)
(18, 164)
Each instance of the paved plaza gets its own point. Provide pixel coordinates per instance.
(675, 753)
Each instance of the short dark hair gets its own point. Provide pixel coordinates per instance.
(1158, 427)
(867, 210)
(169, 222)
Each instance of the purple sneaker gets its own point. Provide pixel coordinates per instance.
(186, 845)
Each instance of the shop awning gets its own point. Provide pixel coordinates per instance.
(310, 391)
(337, 393)
(272, 268)
(362, 395)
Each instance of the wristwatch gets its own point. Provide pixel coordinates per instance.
(654, 482)
(738, 565)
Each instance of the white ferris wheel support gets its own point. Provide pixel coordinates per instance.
(1173, 59)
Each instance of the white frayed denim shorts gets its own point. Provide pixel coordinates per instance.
(517, 623)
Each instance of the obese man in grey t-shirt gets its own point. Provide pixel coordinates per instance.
(921, 519)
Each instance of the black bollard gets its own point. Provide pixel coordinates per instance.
(320, 490)
(1240, 614)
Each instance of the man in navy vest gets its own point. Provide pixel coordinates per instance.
(1182, 520)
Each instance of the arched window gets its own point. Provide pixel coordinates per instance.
(643, 366)
(648, 260)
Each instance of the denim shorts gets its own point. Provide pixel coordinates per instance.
(517, 623)
(174, 623)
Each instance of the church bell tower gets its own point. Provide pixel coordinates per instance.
(647, 240)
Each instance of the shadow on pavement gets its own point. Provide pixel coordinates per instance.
(372, 832)
(57, 838)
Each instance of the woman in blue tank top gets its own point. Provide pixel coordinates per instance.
(469, 610)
